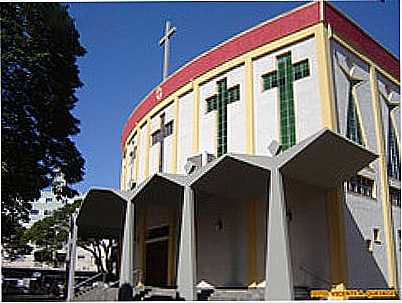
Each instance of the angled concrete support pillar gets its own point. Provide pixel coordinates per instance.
(186, 269)
(72, 252)
(278, 274)
(127, 254)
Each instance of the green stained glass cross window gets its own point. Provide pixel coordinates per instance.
(394, 163)
(270, 80)
(219, 102)
(283, 78)
(353, 126)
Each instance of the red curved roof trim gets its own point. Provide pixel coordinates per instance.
(244, 43)
(361, 41)
(272, 30)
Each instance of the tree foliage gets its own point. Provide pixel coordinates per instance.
(51, 234)
(39, 78)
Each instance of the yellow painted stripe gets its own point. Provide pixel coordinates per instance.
(137, 156)
(249, 106)
(327, 103)
(196, 118)
(175, 134)
(382, 161)
(256, 53)
(147, 147)
(252, 247)
(335, 209)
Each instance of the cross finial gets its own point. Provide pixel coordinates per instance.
(165, 40)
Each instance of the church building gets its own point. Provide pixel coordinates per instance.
(268, 164)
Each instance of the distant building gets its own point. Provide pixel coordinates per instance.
(42, 208)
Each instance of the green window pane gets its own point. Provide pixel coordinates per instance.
(394, 164)
(353, 128)
(270, 80)
(285, 84)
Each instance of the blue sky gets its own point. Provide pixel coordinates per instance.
(124, 61)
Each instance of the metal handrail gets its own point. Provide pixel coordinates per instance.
(87, 280)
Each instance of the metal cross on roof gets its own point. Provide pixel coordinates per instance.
(169, 31)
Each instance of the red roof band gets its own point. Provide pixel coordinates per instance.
(272, 30)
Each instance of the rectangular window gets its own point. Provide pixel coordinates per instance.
(155, 137)
(158, 232)
(169, 128)
(301, 69)
(287, 118)
(394, 164)
(211, 103)
(133, 153)
(376, 236)
(34, 211)
(369, 244)
(47, 212)
(234, 94)
(395, 196)
(49, 200)
(361, 185)
(270, 80)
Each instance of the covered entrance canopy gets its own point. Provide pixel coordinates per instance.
(102, 213)
(325, 159)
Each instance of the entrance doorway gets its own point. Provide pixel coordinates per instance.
(157, 251)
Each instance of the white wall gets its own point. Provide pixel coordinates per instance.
(141, 153)
(362, 214)
(308, 233)
(222, 254)
(184, 131)
(236, 118)
(130, 163)
(305, 91)
(167, 148)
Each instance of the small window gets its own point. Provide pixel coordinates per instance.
(395, 196)
(361, 185)
(211, 103)
(34, 211)
(47, 212)
(155, 137)
(234, 93)
(301, 70)
(369, 244)
(133, 153)
(169, 128)
(376, 236)
(270, 80)
(158, 232)
(49, 200)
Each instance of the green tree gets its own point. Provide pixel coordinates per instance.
(51, 234)
(39, 78)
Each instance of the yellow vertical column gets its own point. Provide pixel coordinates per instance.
(252, 215)
(196, 118)
(382, 162)
(122, 172)
(137, 156)
(249, 106)
(147, 146)
(335, 198)
(175, 134)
